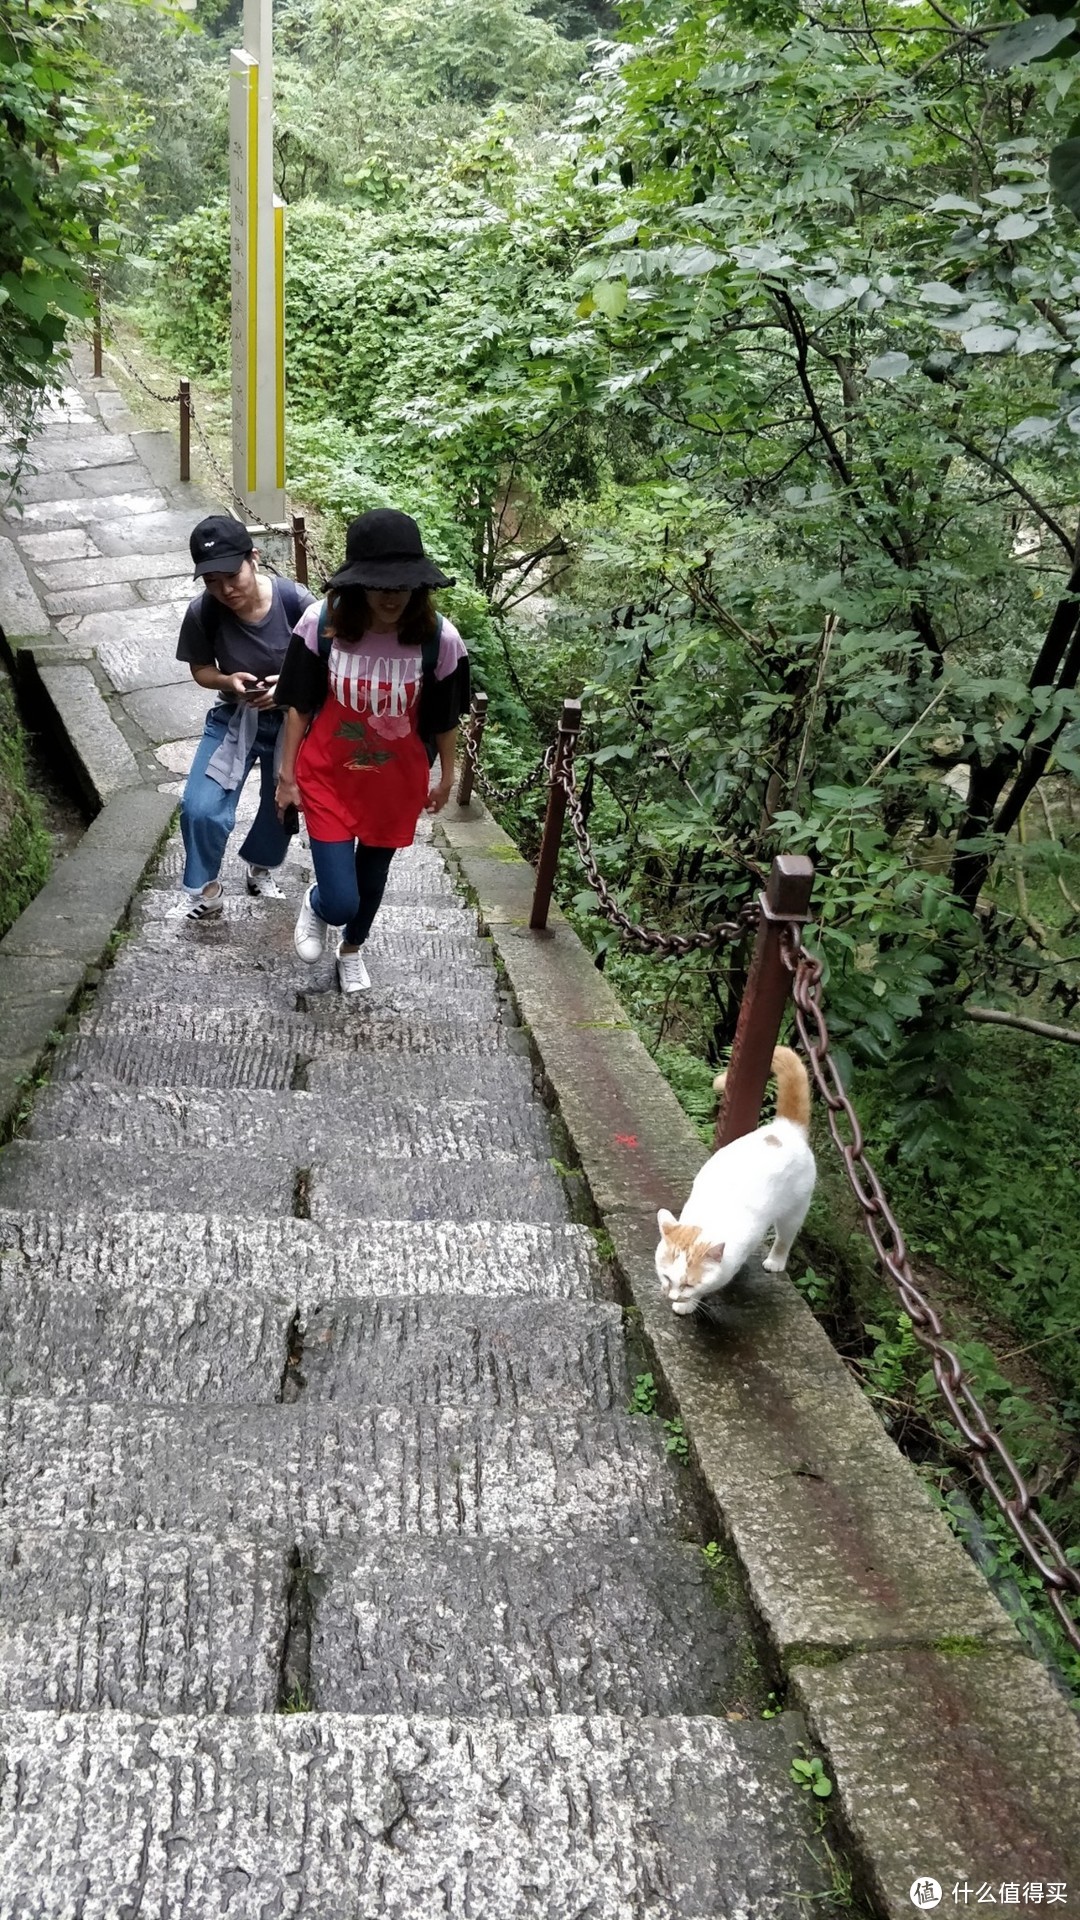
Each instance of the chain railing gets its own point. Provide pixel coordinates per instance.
(990, 1458)
(645, 939)
(780, 968)
(304, 548)
(472, 773)
(563, 798)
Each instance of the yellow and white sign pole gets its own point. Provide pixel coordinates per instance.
(258, 276)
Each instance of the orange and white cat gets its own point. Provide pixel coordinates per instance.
(765, 1179)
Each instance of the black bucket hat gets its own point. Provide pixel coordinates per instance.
(220, 544)
(384, 549)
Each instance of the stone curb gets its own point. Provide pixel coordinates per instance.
(66, 929)
(912, 1676)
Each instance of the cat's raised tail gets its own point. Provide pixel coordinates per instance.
(792, 1087)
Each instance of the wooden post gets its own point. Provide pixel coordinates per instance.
(185, 429)
(786, 900)
(477, 722)
(565, 742)
(299, 548)
(96, 279)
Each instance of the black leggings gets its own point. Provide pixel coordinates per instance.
(349, 885)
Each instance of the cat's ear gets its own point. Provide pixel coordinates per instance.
(665, 1220)
(714, 1253)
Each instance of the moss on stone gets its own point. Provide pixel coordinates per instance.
(25, 848)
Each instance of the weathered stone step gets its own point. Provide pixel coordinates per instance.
(498, 1076)
(150, 1623)
(228, 977)
(289, 988)
(352, 1027)
(264, 1182)
(518, 1628)
(262, 1061)
(34, 1172)
(102, 1341)
(402, 907)
(336, 1184)
(168, 1344)
(341, 1185)
(475, 1353)
(297, 1260)
(309, 1472)
(420, 949)
(417, 870)
(305, 1124)
(343, 1818)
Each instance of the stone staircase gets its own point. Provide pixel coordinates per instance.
(336, 1578)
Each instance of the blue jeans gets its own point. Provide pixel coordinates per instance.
(350, 880)
(208, 812)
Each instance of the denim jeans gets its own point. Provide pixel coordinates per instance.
(350, 880)
(208, 812)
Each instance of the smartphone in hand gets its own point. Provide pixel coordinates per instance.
(290, 819)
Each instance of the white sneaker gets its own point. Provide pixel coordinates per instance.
(204, 905)
(262, 884)
(353, 976)
(309, 933)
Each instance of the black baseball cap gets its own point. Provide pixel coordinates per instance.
(220, 544)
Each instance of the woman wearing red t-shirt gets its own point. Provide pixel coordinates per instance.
(374, 684)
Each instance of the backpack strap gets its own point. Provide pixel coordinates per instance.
(325, 639)
(429, 651)
(290, 599)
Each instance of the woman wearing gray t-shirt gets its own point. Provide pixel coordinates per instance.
(234, 636)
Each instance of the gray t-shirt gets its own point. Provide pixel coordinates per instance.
(212, 636)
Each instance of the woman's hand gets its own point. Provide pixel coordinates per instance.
(241, 685)
(263, 694)
(287, 794)
(439, 796)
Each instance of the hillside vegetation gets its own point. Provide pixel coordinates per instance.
(730, 356)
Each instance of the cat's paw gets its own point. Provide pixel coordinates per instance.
(774, 1263)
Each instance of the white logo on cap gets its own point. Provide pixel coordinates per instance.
(208, 544)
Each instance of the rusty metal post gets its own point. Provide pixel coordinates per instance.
(299, 548)
(786, 900)
(565, 742)
(96, 283)
(185, 429)
(477, 722)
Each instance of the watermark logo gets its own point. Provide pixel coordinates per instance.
(925, 1893)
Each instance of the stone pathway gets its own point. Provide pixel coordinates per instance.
(337, 1579)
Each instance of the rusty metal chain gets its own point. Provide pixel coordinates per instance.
(647, 939)
(115, 352)
(989, 1456)
(491, 791)
(218, 474)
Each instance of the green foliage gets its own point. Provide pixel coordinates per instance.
(66, 170)
(676, 1442)
(643, 1395)
(999, 1205)
(811, 1776)
(25, 848)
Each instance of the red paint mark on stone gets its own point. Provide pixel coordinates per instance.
(626, 1139)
